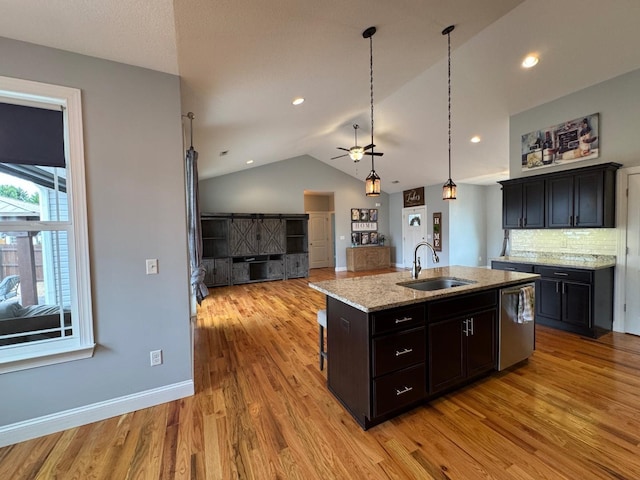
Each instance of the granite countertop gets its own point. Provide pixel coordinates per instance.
(379, 292)
(588, 262)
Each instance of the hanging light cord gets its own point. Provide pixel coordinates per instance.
(371, 83)
(449, 93)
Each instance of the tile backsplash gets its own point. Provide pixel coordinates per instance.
(592, 241)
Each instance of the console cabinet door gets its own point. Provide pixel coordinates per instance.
(271, 236)
(243, 237)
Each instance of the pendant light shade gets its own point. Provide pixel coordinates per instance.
(372, 182)
(449, 189)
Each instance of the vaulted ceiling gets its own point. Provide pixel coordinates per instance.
(242, 63)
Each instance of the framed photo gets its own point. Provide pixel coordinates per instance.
(355, 214)
(355, 238)
(364, 238)
(373, 238)
(364, 214)
(373, 214)
(414, 219)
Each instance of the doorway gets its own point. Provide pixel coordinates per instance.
(320, 208)
(631, 287)
(414, 230)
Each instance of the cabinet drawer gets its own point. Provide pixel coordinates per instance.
(399, 389)
(460, 305)
(512, 267)
(565, 274)
(398, 318)
(394, 352)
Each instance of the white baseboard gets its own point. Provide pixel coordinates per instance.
(56, 422)
(341, 269)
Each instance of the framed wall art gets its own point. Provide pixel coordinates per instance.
(570, 141)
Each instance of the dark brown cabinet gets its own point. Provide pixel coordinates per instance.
(383, 363)
(462, 346)
(512, 266)
(523, 204)
(576, 300)
(582, 199)
(579, 198)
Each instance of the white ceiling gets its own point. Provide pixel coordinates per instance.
(243, 61)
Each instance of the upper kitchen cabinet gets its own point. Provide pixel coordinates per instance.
(522, 204)
(583, 197)
(579, 198)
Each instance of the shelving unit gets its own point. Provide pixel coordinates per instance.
(247, 248)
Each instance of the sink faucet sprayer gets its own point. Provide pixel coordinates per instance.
(415, 270)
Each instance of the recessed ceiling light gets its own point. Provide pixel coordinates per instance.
(298, 101)
(395, 181)
(475, 139)
(249, 162)
(530, 61)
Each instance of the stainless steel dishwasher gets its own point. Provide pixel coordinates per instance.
(516, 341)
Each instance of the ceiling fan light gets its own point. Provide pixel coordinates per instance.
(356, 153)
(449, 190)
(372, 184)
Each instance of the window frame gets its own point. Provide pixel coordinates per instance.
(81, 345)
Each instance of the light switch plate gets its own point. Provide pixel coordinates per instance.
(152, 266)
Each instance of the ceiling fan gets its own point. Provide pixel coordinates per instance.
(356, 152)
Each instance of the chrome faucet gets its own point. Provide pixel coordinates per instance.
(415, 270)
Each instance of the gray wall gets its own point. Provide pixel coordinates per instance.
(262, 190)
(618, 103)
(136, 210)
(471, 225)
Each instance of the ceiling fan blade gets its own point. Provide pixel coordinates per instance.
(345, 149)
(371, 145)
(339, 156)
(375, 154)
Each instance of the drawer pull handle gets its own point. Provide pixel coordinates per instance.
(561, 274)
(402, 320)
(403, 352)
(403, 391)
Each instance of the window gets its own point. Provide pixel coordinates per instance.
(45, 302)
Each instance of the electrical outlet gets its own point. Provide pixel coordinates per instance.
(152, 266)
(156, 357)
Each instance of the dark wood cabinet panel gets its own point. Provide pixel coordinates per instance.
(523, 205)
(575, 300)
(512, 266)
(481, 343)
(446, 357)
(578, 198)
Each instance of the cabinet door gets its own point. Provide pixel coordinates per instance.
(446, 363)
(209, 266)
(481, 343)
(240, 273)
(512, 206)
(549, 298)
(533, 204)
(588, 199)
(243, 237)
(577, 303)
(271, 236)
(560, 201)
(275, 269)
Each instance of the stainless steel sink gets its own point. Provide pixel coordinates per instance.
(437, 283)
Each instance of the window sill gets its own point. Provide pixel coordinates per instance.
(17, 362)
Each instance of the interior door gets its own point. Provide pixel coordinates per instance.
(414, 230)
(320, 251)
(632, 271)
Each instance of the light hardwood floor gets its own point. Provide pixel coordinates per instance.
(262, 411)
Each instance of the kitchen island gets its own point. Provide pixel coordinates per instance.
(392, 347)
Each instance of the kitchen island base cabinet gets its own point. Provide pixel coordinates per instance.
(461, 347)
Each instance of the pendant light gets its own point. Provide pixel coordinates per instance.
(449, 188)
(372, 183)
